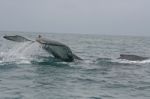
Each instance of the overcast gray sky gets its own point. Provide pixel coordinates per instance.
(76, 16)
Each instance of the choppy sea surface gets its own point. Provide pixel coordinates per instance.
(27, 72)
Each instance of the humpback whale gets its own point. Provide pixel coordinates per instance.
(57, 49)
(132, 57)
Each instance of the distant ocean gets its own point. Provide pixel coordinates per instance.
(26, 72)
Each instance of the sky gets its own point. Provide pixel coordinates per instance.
(123, 17)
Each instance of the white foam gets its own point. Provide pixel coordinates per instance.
(22, 53)
(131, 62)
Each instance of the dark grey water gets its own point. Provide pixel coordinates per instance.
(27, 73)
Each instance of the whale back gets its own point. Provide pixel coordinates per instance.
(132, 57)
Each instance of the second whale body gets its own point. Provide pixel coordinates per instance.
(131, 57)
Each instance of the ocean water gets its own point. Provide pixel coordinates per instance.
(27, 71)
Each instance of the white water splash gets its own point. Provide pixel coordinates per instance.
(130, 62)
(22, 53)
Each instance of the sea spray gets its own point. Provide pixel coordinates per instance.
(22, 53)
